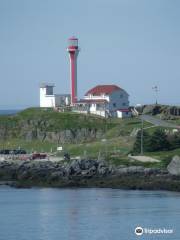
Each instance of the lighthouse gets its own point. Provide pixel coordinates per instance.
(73, 51)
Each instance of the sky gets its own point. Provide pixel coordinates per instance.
(134, 44)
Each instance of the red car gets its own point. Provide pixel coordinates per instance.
(38, 156)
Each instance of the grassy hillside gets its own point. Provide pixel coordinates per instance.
(44, 124)
(113, 143)
(13, 129)
(59, 121)
(55, 120)
(49, 120)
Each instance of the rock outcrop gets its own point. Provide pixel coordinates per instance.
(167, 112)
(45, 125)
(47, 170)
(85, 173)
(174, 166)
(60, 136)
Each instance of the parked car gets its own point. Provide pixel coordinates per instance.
(14, 151)
(19, 151)
(5, 151)
(38, 156)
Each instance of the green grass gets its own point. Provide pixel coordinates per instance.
(28, 145)
(49, 120)
(128, 162)
(116, 132)
(55, 120)
(115, 151)
(100, 148)
(60, 121)
(120, 146)
(175, 121)
(161, 155)
(124, 127)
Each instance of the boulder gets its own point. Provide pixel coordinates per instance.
(122, 170)
(103, 171)
(174, 166)
(135, 169)
(56, 175)
(87, 164)
(74, 168)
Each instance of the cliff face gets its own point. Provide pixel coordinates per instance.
(62, 136)
(46, 125)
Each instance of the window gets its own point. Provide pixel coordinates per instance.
(124, 104)
(114, 104)
(121, 95)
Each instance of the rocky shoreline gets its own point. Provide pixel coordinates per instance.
(85, 173)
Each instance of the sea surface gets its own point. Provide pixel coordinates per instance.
(9, 112)
(87, 214)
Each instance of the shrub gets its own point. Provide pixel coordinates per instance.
(146, 142)
(157, 141)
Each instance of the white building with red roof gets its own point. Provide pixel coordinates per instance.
(105, 100)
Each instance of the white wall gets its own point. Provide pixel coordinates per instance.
(46, 100)
(103, 96)
(92, 107)
(100, 113)
(121, 100)
(53, 100)
(123, 114)
(119, 97)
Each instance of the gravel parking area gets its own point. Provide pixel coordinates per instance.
(143, 158)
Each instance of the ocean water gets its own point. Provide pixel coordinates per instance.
(9, 112)
(87, 214)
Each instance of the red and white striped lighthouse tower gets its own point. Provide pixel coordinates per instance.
(73, 53)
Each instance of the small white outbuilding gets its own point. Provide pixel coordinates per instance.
(50, 100)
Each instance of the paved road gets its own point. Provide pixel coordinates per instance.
(158, 122)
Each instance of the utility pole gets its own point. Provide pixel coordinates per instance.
(142, 124)
(156, 90)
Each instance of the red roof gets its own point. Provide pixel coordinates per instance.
(102, 89)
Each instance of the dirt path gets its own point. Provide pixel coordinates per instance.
(143, 158)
